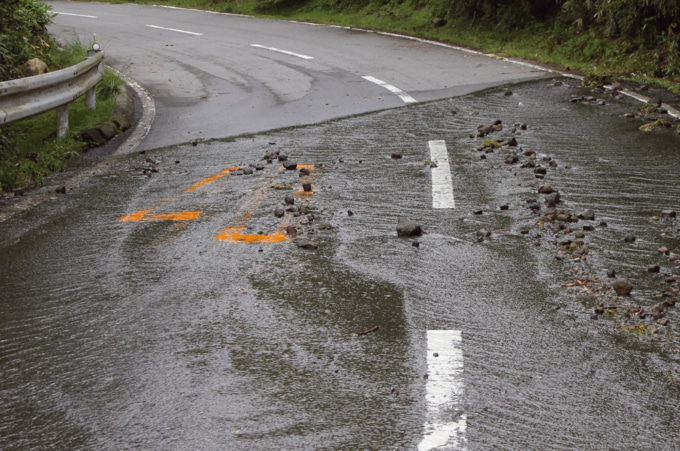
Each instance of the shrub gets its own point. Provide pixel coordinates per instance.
(23, 34)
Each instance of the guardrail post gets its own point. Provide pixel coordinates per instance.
(91, 96)
(62, 121)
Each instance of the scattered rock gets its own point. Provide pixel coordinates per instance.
(291, 230)
(307, 187)
(396, 156)
(663, 250)
(350, 213)
(289, 165)
(512, 142)
(34, 66)
(508, 93)
(282, 157)
(545, 189)
(552, 199)
(290, 200)
(540, 170)
(668, 214)
(611, 273)
(622, 286)
(308, 245)
(407, 228)
(579, 235)
(588, 215)
(438, 22)
(279, 212)
(483, 233)
(18, 192)
(60, 190)
(504, 207)
(304, 172)
(247, 171)
(653, 268)
(630, 239)
(588, 228)
(477, 212)
(511, 159)
(485, 129)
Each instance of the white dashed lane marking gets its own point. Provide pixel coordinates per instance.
(402, 95)
(442, 184)
(193, 33)
(285, 52)
(446, 421)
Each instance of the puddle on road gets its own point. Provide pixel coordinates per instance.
(158, 329)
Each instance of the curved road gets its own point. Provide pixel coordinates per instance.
(210, 81)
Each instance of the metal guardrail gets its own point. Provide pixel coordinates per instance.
(26, 97)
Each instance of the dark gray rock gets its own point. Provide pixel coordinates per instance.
(278, 212)
(552, 199)
(540, 170)
(588, 215)
(512, 142)
(668, 214)
(290, 200)
(511, 159)
(407, 228)
(289, 165)
(611, 273)
(630, 239)
(247, 171)
(653, 268)
(545, 189)
(308, 245)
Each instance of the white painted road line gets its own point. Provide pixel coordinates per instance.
(402, 95)
(286, 52)
(442, 184)
(176, 30)
(76, 15)
(446, 421)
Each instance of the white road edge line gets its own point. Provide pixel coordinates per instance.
(175, 29)
(286, 52)
(446, 422)
(76, 15)
(442, 184)
(405, 97)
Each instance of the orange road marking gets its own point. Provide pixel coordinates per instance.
(211, 179)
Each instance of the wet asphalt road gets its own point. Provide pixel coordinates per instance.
(133, 318)
(156, 335)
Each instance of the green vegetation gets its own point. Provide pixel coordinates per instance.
(490, 143)
(29, 149)
(637, 39)
(656, 125)
(23, 35)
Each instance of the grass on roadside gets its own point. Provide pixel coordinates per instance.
(29, 150)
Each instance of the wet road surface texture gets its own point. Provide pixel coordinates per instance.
(149, 311)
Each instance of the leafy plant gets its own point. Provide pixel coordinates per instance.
(23, 34)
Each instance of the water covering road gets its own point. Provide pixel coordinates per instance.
(154, 334)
